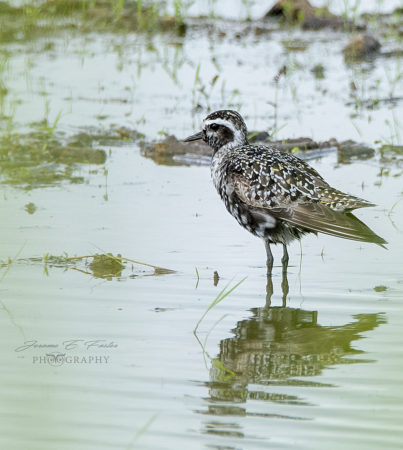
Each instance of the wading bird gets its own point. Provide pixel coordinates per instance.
(275, 195)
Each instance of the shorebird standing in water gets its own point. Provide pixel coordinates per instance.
(275, 195)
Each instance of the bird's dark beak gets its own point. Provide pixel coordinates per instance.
(194, 137)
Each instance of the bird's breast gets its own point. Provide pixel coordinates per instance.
(255, 220)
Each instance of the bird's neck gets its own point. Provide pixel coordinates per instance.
(230, 145)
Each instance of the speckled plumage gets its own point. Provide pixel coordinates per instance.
(274, 195)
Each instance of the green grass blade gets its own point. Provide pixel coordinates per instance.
(220, 297)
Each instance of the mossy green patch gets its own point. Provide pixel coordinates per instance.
(30, 208)
(106, 265)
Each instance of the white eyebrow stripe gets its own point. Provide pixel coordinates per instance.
(219, 121)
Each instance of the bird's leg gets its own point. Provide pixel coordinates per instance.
(269, 261)
(269, 291)
(284, 259)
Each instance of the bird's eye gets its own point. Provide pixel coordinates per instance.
(214, 127)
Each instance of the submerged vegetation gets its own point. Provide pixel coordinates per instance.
(46, 157)
(106, 265)
(30, 161)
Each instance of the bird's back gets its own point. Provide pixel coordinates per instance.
(263, 180)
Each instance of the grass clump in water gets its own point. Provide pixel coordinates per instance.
(104, 265)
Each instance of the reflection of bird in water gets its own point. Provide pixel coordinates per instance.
(276, 345)
(274, 195)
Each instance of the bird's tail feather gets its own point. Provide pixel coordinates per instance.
(322, 219)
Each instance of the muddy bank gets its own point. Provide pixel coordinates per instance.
(172, 151)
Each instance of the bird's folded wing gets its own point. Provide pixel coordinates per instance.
(271, 180)
(304, 167)
(295, 198)
(321, 218)
(286, 179)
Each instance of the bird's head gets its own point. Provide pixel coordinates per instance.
(224, 128)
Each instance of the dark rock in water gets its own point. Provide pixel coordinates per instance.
(361, 46)
(292, 11)
(308, 16)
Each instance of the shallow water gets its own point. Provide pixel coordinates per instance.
(319, 368)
